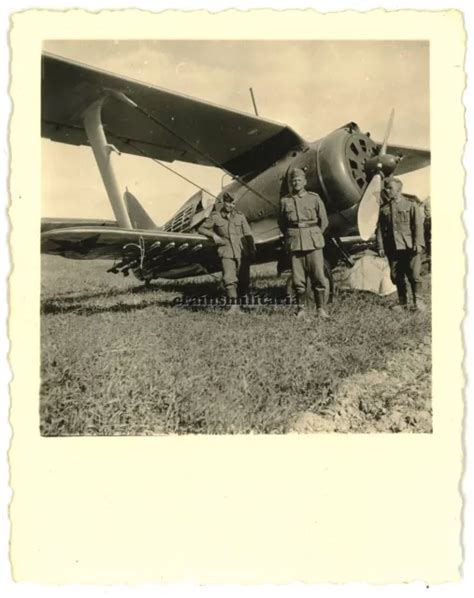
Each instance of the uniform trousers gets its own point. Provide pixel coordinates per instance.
(311, 264)
(405, 264)
(236, 276)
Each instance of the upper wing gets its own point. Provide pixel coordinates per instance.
(189, 130)
(412, 158)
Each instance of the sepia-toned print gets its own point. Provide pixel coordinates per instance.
(235, 237)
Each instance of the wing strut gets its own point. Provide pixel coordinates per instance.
(102, 150)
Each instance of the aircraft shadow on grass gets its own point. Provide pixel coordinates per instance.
(162, 294)
(79, 304)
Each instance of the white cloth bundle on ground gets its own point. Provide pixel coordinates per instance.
(369, 273)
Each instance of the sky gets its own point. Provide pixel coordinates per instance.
(312, 86)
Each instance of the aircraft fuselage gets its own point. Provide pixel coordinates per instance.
(335, 169)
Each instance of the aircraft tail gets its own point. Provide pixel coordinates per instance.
(138, 216)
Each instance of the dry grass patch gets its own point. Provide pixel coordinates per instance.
(119, 359)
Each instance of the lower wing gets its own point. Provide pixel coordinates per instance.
(147, 253)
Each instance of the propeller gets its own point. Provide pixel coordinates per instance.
(368, 212)
(388, 130)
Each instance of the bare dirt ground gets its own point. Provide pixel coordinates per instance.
(118, 359)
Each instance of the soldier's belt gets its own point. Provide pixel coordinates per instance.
(305, 224)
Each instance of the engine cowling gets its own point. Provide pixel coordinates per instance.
(335, 169)
(340, 164)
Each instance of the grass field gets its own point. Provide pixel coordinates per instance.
(119, 359)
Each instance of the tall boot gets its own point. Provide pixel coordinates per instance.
(320, 299)
(402, 297)
(290, 290)
(418, 303)
(301, 303)
(234, 307)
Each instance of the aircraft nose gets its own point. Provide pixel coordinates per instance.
(385, 164)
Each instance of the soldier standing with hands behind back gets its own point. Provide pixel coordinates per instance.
(303, 220)
(400, 237)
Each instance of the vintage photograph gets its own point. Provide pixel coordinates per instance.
(236, 316)
(235, 237)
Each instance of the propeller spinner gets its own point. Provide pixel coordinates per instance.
(379, 166)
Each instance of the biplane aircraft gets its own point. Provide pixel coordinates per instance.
(87, 106)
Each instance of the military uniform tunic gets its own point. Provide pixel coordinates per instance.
(233, 229)
(303, 220)
(400, 225)
(399, 231)
(427, 225)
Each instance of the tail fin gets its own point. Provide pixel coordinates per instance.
(138, 216)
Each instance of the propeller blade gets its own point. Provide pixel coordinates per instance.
(383, 150)
(368, 212)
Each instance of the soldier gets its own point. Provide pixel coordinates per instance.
(427, 228)
(231, 232)
(400, 238)
(303, 220)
